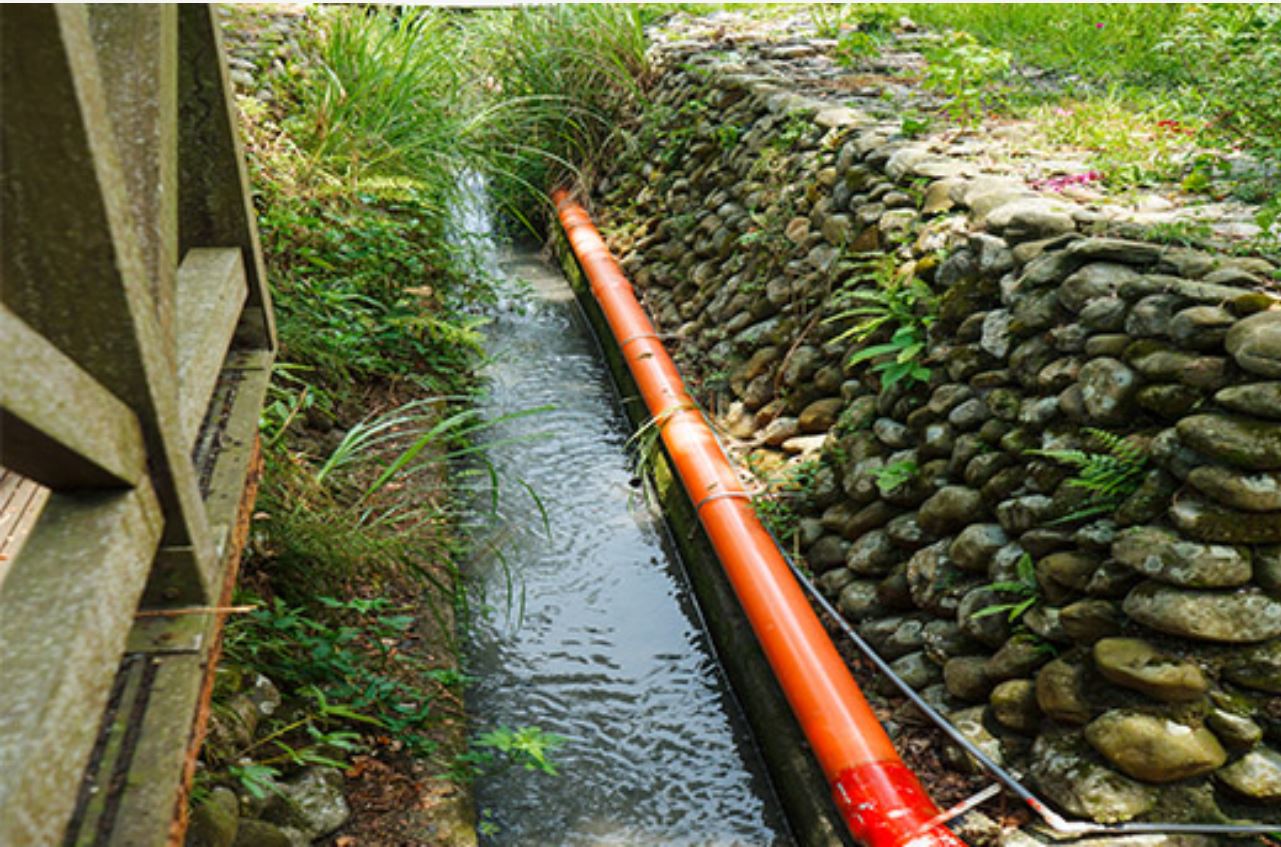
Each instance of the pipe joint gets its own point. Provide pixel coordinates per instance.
(884, 805)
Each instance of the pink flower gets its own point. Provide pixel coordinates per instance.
(1098, 26)
(1058, 183)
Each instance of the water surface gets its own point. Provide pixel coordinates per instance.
(601, 643)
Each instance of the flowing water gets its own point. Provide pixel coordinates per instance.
(591, 632)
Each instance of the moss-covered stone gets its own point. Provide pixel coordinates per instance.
(1014, 706)
(1259, 399)
(1154, 749)
(1234, 439)
(1160, 554)
(1241, 616)
(1070, 776)
(1236, 731)
(1136, 664)
(1018, 657)
(965, 678)
(1168, 401)
(1205, 520)
(1255, 343)
(214, 821)
(1062, 692)
(1251, 492)
(1087, 621)
(1257, 667)
(1256, 775)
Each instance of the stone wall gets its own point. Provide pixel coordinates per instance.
(1141, 680)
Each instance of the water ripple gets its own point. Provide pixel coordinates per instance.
(608, 651)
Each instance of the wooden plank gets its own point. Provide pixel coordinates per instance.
(211, 295)
(17, 517)
(66, 608)
(238, 444)
(60, 426)
(9, 483)
(151, 808)
(28, 513)
(239, 406)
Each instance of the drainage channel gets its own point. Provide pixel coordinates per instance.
(590, 631)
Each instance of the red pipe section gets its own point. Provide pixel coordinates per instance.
(881, 800)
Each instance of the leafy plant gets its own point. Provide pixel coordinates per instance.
(908, 306)
(891, 476)
(526, 746)
(776, 509)
(382, 97)
(828, 18)
(1110, 476)
(342, 675)
(796, 128)
(555, 82)
(967, 73)
(1026, 591)
(914, 124)
(855, 45)
(727, 135)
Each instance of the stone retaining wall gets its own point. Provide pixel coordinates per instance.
(1141, 680)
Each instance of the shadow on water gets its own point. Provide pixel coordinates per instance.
(609, 652)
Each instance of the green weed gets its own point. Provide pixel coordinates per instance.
(1133, 143)
(1107, 42)
(343, 673)
(555, 82)
(777, 509)
(890, 477)
(1110, 476)
(907, 307)
(1025, 589)
(527, 746)
(968, 74)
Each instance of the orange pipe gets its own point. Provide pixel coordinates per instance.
(880, 799)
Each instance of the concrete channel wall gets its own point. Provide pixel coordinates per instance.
(1092, 431)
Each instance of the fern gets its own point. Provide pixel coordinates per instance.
(1111, 476)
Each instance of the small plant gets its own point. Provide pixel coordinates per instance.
(1110, 476)
(909, 306)
(856, 45)
(526, 746)
(914, 124)
(968, 74)
(792, 132)
(1026, 591)
(829, 19)
(899, 358)
(890, 477)
(727, 135)
(1179, 233)
(776, 509)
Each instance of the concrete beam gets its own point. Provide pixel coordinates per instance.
(211, 297)
(73, 264)
(58, 426)
(215, 207)
(66, 608)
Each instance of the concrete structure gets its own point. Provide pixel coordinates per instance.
(135, 342)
